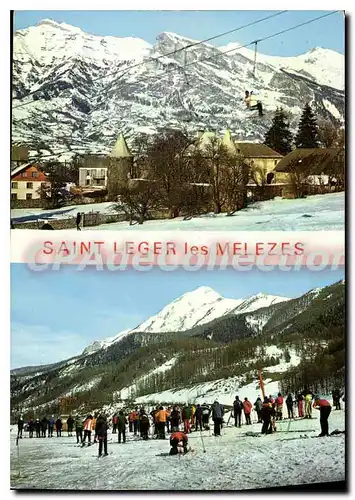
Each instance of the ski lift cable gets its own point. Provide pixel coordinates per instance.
(251, 43)
(175, 51)
(168, 71)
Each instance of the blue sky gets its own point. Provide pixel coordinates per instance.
(55, 315)
(328, 32)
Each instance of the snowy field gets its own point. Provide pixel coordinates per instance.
(232, 462)
(318, 212)
(33, 214)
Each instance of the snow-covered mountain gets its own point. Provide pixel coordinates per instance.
(77, 91)
(274, 339)
(190, 310)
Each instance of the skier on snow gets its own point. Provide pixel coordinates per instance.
(44, 424)
(308, 404)
(160, 418)
(30, 428)
(178, 443)
(217, 416)
(101, 432)
(79, 429)
(70, 425)
(205, 416)
(121, 426)
(37, 428)
(247, 407)
(267, 411)
(144, 425)
(175, 419)
(198, 417)
(87, 430)
(289, 404)
(93, 427)
(51, 426)
(186, 416)
(58, 426)
(114, 424)
(258, 408)
(324, 408)
(279, 406)
(300, 401)
(237, 411)
(20, 424)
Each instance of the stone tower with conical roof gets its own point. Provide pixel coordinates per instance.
(228, 142)
(120, 163)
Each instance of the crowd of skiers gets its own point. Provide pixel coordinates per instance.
(179, 421)
(271, 409)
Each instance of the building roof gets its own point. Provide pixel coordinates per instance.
(256, 150)
(20, 168)
(319, 160)
(120, 149)
(206, 139)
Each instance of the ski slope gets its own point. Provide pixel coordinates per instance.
(232, 462)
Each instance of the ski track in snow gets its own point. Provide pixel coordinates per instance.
(232, 462)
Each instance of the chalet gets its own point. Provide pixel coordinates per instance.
(261, 159)
(107, 171)
(93, 171)
(318, 163)
(26, 181)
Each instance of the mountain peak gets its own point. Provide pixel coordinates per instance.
(59, 25)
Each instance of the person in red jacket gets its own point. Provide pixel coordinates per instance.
(324, 408)
(178, 443)
(135, 419)
(279, 406)
(247, 407)
(114, 424)
(130, 421)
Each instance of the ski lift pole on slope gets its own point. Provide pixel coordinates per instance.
(18, 456)
(261, 382)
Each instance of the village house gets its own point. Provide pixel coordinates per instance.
(316, 165)
(26, 182)
(93, 171)
(261, 160)
(106, 171)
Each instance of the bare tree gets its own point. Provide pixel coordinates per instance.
(167, 161)
(330, 135)
(137, 200)
(227, 176)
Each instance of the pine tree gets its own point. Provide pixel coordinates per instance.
(279, 137)
(307, 134)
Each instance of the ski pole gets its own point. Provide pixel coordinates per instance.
(289, 425)
(18, 457)
(203, 444)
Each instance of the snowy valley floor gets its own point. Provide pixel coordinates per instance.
(232, 462)
(319, 212)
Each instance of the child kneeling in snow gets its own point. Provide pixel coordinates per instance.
(178, 443)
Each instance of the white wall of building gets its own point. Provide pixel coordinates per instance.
(26, 189)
